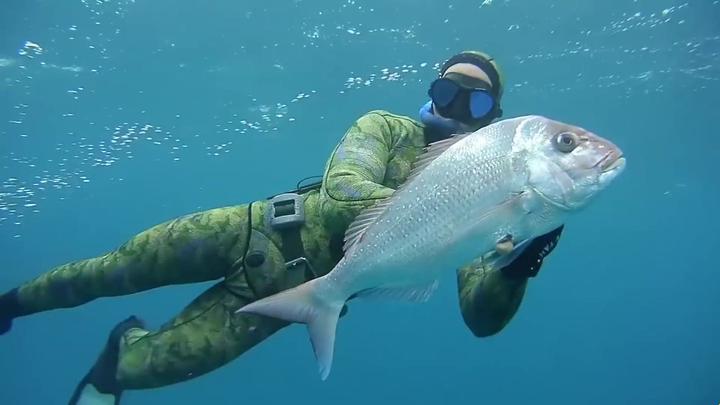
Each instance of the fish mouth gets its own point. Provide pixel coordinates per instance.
(618, 163)
(611, 161)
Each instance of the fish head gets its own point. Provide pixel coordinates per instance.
(567, 165)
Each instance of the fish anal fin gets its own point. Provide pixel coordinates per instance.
(417, 293)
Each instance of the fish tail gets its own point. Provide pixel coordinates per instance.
(303, 304)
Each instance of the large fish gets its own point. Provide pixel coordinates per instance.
(467, 196)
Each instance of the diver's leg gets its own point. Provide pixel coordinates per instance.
(194, 248)
(489, 297)
(99, 386)
(204, 337)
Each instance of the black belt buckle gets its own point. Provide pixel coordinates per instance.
(286, 210)
(301, 261)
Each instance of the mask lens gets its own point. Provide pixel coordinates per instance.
(481, 103)
(443, 92)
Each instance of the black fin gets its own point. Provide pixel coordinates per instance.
(102, 375)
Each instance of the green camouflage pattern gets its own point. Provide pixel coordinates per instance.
(371, 161)
(374, 157)
(193, 248)
(203, 337)
(203, 246)
(208, 333)
(488, 299)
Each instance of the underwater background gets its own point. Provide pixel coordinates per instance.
(118, 115)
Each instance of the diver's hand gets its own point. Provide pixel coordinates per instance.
(529, 262)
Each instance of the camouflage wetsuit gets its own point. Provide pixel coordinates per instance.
(237, 246)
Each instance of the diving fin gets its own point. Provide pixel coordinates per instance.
(5, 325)
(100, 385)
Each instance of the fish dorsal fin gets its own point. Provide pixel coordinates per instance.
(366, 217)
(431, 152)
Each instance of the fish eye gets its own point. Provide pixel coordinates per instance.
(566, 142)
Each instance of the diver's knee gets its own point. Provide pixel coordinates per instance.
(485, 324)
(486, 329)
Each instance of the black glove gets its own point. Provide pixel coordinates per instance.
(528, 263)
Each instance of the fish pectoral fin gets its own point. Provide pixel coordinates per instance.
(416, 293)
(354, 232)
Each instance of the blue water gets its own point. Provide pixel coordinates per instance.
(118, 115)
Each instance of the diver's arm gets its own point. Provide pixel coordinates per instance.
(356, 169)
(488, 298)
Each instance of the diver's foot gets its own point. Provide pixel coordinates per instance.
(9, 309)
(5, 326)
(100, 386)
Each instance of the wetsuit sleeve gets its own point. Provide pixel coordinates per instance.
(356, 169)
(489, 298)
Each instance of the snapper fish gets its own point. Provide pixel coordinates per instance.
(486, 193)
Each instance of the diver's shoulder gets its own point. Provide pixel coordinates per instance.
(392, 118)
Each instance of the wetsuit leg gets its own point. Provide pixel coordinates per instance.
(193, 248)
(205, 336)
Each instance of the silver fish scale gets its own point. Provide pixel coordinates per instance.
(465, 181)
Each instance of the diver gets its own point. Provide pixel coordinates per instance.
(257, 249)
